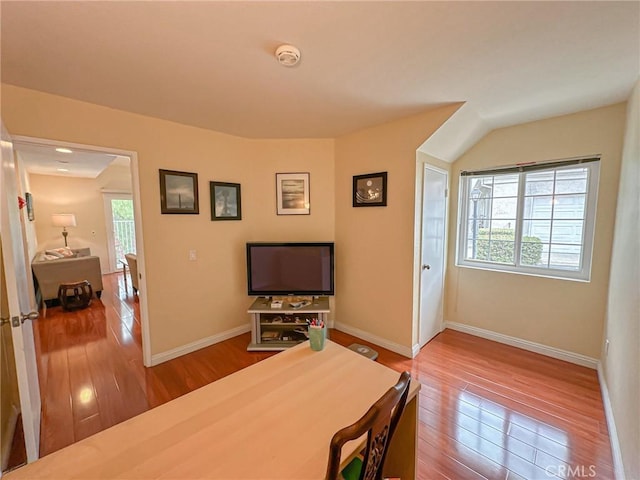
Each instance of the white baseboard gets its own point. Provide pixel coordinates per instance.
(7, 437)
(159, 358)
(381, 342)
(553, 352)
(618, 466)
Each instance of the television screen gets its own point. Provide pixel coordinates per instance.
(290, 268)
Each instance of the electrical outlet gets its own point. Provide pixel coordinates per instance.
(192, 255)
(606, 347)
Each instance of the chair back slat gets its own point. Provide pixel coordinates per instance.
(379, 423)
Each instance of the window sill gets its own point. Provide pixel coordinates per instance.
(496, 268)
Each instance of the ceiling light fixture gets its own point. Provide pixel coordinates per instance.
(64, 150)
(287, 55)
(62, 169)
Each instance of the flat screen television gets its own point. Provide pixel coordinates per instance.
(290, 268)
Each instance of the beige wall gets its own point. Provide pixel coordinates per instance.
(559, 313)
(115, 178)
(375, 245)
(190, 301)
(622, 363)
(29, 226)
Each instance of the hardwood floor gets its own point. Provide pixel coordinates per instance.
(486, 410)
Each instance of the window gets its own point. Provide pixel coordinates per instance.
(536, 219)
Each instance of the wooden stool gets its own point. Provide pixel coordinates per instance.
(80, 296)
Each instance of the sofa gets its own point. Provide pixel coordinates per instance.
(49, 274)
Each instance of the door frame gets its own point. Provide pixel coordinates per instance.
(421, 165)
(137, 211)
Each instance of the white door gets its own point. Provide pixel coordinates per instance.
(19, 300)
(434, 216)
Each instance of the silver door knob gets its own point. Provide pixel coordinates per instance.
(426, 267)
(29, 316)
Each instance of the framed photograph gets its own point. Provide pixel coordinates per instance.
(29, 202)
(292, 193)
(225, 201)
(370, 190)
(178, 192)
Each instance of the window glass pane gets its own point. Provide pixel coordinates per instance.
(553, 224)
(470, 226)
(498, 226)
(565, 257)
(536, 229)
(482, 249)
(538, 207)
(569, 206)
(505, 186)
(533, 252)
(501, 246)
(501, 251)
(539, 183)
(504, 208)
(567, 231)
(571, 181)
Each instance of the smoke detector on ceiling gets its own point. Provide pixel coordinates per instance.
(287, 55)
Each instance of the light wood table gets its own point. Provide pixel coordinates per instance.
(273, 420)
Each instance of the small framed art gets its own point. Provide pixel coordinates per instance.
(178, 192)
(370, 190)
(225, 201)
(292, 193)
(29, 201)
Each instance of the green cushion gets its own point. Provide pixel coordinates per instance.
(352, 471)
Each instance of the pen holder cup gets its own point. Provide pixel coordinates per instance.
(317, 337)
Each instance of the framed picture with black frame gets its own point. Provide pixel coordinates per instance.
(226, 202)
(179, 192)
(370, 190)
(29, 202)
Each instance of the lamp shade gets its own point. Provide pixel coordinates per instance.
(63, 220)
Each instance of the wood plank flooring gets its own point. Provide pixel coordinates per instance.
(486, 410)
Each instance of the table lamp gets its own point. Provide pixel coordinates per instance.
(64, 220)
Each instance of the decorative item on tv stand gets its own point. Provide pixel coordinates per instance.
(281, 315)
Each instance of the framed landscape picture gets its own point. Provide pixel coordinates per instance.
(370, 190)
(178, 192)
(225, 201)
(292, 194)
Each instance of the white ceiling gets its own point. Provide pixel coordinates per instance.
(211, 64)
(45, 160)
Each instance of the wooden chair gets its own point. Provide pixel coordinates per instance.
(379, 423)
(132, 263)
